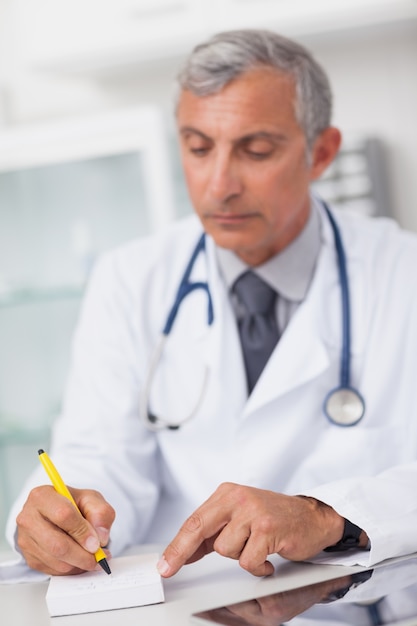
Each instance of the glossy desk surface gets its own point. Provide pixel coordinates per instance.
(210, 582)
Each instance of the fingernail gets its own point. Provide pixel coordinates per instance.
(91, 544)
(103, 535)
(162, 566)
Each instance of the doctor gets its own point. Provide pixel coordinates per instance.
(193, 447)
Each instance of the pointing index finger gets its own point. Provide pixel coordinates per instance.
(194, 540)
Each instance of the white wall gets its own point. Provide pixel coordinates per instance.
(373, 71)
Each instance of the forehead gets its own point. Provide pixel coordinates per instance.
(260, 99)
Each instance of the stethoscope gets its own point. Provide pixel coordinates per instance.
(343, 405)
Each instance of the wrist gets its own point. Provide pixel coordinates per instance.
(331, 523)
(353, 537)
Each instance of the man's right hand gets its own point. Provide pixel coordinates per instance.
(54, 538)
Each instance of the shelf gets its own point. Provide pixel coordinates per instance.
(30, 296)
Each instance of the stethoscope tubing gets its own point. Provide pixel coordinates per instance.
(341, 393)
(186, 287)
(345, 302)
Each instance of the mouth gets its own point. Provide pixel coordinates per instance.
(230, 218)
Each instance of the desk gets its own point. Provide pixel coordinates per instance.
(210, 582)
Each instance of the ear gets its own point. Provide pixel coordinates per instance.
(325, 148)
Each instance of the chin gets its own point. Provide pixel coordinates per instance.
(231, 237)
(228, 241)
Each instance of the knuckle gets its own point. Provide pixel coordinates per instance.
(233, 491)
(24, 518)
(91, 497)
(290, 549)
(94, 506)
(21, 519)
(23, 542)
(37, 495)
(110, 513)
(64, 513)
(220, 547)
(233, 494)
(246, 563)
(193, 524)
(226, 487)
(58, 548)
(241, 493)
(266, 524)
(36, 492)
(110, 510)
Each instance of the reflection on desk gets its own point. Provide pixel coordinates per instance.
(388, 596)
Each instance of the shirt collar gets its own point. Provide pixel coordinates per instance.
(290, 271)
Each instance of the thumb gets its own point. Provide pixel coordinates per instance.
(97, 511)
(74, 524)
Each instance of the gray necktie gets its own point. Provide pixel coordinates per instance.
(257, 327)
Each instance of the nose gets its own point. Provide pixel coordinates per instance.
(224, 178)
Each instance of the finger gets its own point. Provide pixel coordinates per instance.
(254, 555)
(206, 547)
(189, 545)
(44, 561)
(97, 511)
(68, 519)
(194, 540)
(232, 539)
(49, 549)
(53, 532)
(68, 560)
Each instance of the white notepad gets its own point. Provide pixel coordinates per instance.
(134, 581)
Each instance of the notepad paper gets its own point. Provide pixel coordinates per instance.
(134, 581)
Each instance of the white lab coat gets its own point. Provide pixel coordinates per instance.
(279, 438)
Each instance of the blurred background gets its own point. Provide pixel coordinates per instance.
(88, 155)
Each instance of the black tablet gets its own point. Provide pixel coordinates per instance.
(385, 595)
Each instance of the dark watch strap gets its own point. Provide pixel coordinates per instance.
(349, 540)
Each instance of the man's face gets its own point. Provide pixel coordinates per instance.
(244, 159)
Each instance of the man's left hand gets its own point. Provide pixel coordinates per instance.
(248, 524)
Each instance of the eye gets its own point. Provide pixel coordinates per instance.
(258, 155)
(258, 150)
(199, 152)
(194, 143)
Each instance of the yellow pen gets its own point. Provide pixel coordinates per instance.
(62, 489)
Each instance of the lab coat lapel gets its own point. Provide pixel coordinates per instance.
(223, 343)
(302, 352)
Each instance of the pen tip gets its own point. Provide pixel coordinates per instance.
(105, 566)
(41, 451)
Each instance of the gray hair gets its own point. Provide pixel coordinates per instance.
(225, 56)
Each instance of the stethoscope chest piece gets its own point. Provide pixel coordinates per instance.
(344, 406)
